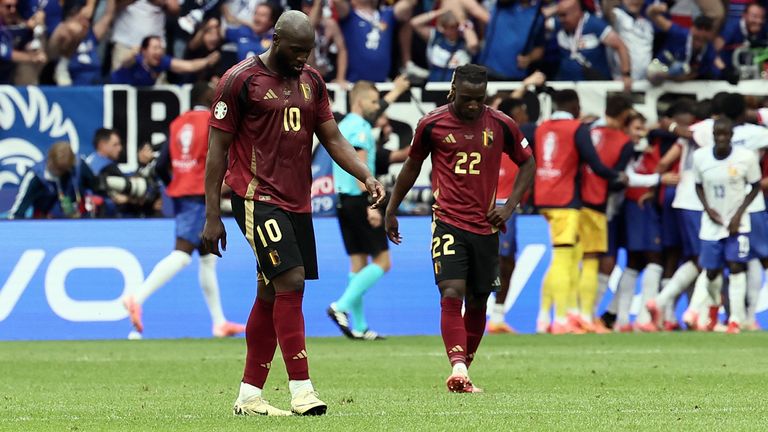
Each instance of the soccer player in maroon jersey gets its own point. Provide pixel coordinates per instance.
(466, 139)
(265, 112)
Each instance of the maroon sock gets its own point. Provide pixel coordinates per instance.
(261, 343)
(452, 328)
(474, 323)
(289, 326)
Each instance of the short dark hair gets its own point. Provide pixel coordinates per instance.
(471, 73)
(703, 22)
(635, 115)
(616, 104)
(682, 106)
(145, 42)
(101, 135)
(564, 97)
(734, 105)
(509, 104)
(718, 100)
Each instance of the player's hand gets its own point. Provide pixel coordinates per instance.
(376, 190)
(670, 178)
(498, 216)
(392, 228)
(644, 198)
(715, 216)
(374, 217)
(733, 225)
(213, 231)
(623, 178)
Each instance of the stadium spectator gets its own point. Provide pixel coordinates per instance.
(84, 64)
(270, 206)
(22, 54)
(369, 34)
(182, 166)
(465, 245)
(255, 38)
(583, 40)
(53, 188)
(362, 227)
(509, 54)
(135, 21)
(103, 163)
(637, 33)
(686, 53)
(192, 14)
(450, 44)
(748, 31)
(330, 56)
(144, 68)
(206, 40)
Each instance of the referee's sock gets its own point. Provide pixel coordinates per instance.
(358, 286)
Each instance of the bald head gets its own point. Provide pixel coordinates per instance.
(294, 24)
(61, 159)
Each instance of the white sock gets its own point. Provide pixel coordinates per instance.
(247, 391)
(700, 292)
(669, 310)
(299, 386)
(650, 289)
(497, 313)
(714, 288)
(625, 293)
(754, 283)
(460, 368)
(602, 287)
(737, 293)
(683, 277)
(210, 285)
(162, 273)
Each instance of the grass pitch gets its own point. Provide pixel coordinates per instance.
(614, 382)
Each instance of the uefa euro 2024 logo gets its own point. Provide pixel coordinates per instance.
(28, 126)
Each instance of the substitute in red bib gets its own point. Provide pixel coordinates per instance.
(266, 110)
(465, 139)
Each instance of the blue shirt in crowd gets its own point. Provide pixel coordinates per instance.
(444, 56)
(678, 45)
(249, 43)
(503, 45)
(588, 48)
(85, 65)
(138, 74)
(369, 43)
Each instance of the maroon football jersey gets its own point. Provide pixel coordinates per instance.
(273, 120)
(465, 162)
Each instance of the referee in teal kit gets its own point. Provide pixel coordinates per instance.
(362, 227)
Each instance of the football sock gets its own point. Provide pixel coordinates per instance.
(460, 369)
(497, 313)
(358, 286)
(668, 310)
(588, 287)
(602, 287)
(700, 292)
(573, 292)
(625, 293)
(453, 331)
(754, 283)
(474, 324)
(261, 342)
(737, 292)
(558, 280)
(210, 285)
(650, 289)
(714, 288)
(289, 328)
(247, 391)
(682, 279)
(298, 386)
(162, 273)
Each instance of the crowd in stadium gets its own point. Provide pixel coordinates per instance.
(147, 42)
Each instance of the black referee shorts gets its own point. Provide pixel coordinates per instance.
(281, 240)
(359, 236)
(460, 254)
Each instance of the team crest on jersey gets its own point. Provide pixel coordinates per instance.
(220, 110)
(733, 171)
(307, 91)
(487, 138)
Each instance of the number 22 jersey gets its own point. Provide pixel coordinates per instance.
(465, 162)
(273, 119)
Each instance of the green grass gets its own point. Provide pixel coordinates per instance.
(699, 382)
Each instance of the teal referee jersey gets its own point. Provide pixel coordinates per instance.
(359, 133)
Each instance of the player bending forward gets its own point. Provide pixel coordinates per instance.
(722, 174)
(466, 139)
(266, 110)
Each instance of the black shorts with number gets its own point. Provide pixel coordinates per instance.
(359, 236)
(281, 240)
(460, 254)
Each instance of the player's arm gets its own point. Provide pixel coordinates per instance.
(344, 154)
(215, 167)
(405, 180)
(670, 157)
(707, 209)
(753, 178)
(588, 155)
(621, 165)
(523, 182)
(162, 168)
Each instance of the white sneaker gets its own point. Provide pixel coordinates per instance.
(258, 406)
(307, 403)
